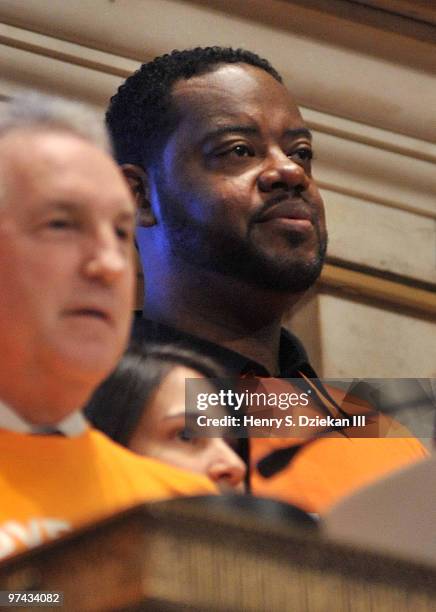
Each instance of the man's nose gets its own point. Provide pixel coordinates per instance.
(225, 466)
(106, 259)
(281, 172)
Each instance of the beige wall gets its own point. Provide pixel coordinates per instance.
(365, 80)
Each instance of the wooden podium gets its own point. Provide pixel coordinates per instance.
(207, 555)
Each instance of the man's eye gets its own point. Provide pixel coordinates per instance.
(304, 154)
(239, 150)
(60, 223)
(125, 234)
(242, 151)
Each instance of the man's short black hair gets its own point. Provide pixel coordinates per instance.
(140, 116)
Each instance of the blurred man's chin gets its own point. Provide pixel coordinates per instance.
(87, 362)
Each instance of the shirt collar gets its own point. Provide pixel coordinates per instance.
(292, 358)
(73, 425)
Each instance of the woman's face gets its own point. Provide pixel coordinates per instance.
(160, 434)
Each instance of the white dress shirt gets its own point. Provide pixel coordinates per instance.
(73, 425)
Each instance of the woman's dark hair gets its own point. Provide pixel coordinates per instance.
(118, 403)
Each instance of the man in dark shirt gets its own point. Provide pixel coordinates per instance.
(231, 232)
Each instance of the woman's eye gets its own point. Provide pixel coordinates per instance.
(184, 435)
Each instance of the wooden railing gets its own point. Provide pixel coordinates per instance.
(193, 555)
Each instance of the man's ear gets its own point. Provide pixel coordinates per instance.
(139, 186)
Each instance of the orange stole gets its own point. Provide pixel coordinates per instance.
(327, 465)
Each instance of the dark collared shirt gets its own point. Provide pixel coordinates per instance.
(292, 359)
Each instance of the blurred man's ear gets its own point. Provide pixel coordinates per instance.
(138, 183)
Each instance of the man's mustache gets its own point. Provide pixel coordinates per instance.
(287, 205)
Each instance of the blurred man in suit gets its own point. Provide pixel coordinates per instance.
(66, 296)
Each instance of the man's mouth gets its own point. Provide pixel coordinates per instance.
(90, 312)
(295, 214)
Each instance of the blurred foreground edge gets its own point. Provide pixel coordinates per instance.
(217, 554)
(394, 515)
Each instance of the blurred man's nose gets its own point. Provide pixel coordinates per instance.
(107, 258)
(225, 466)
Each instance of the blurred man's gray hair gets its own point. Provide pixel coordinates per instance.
(35, 111)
